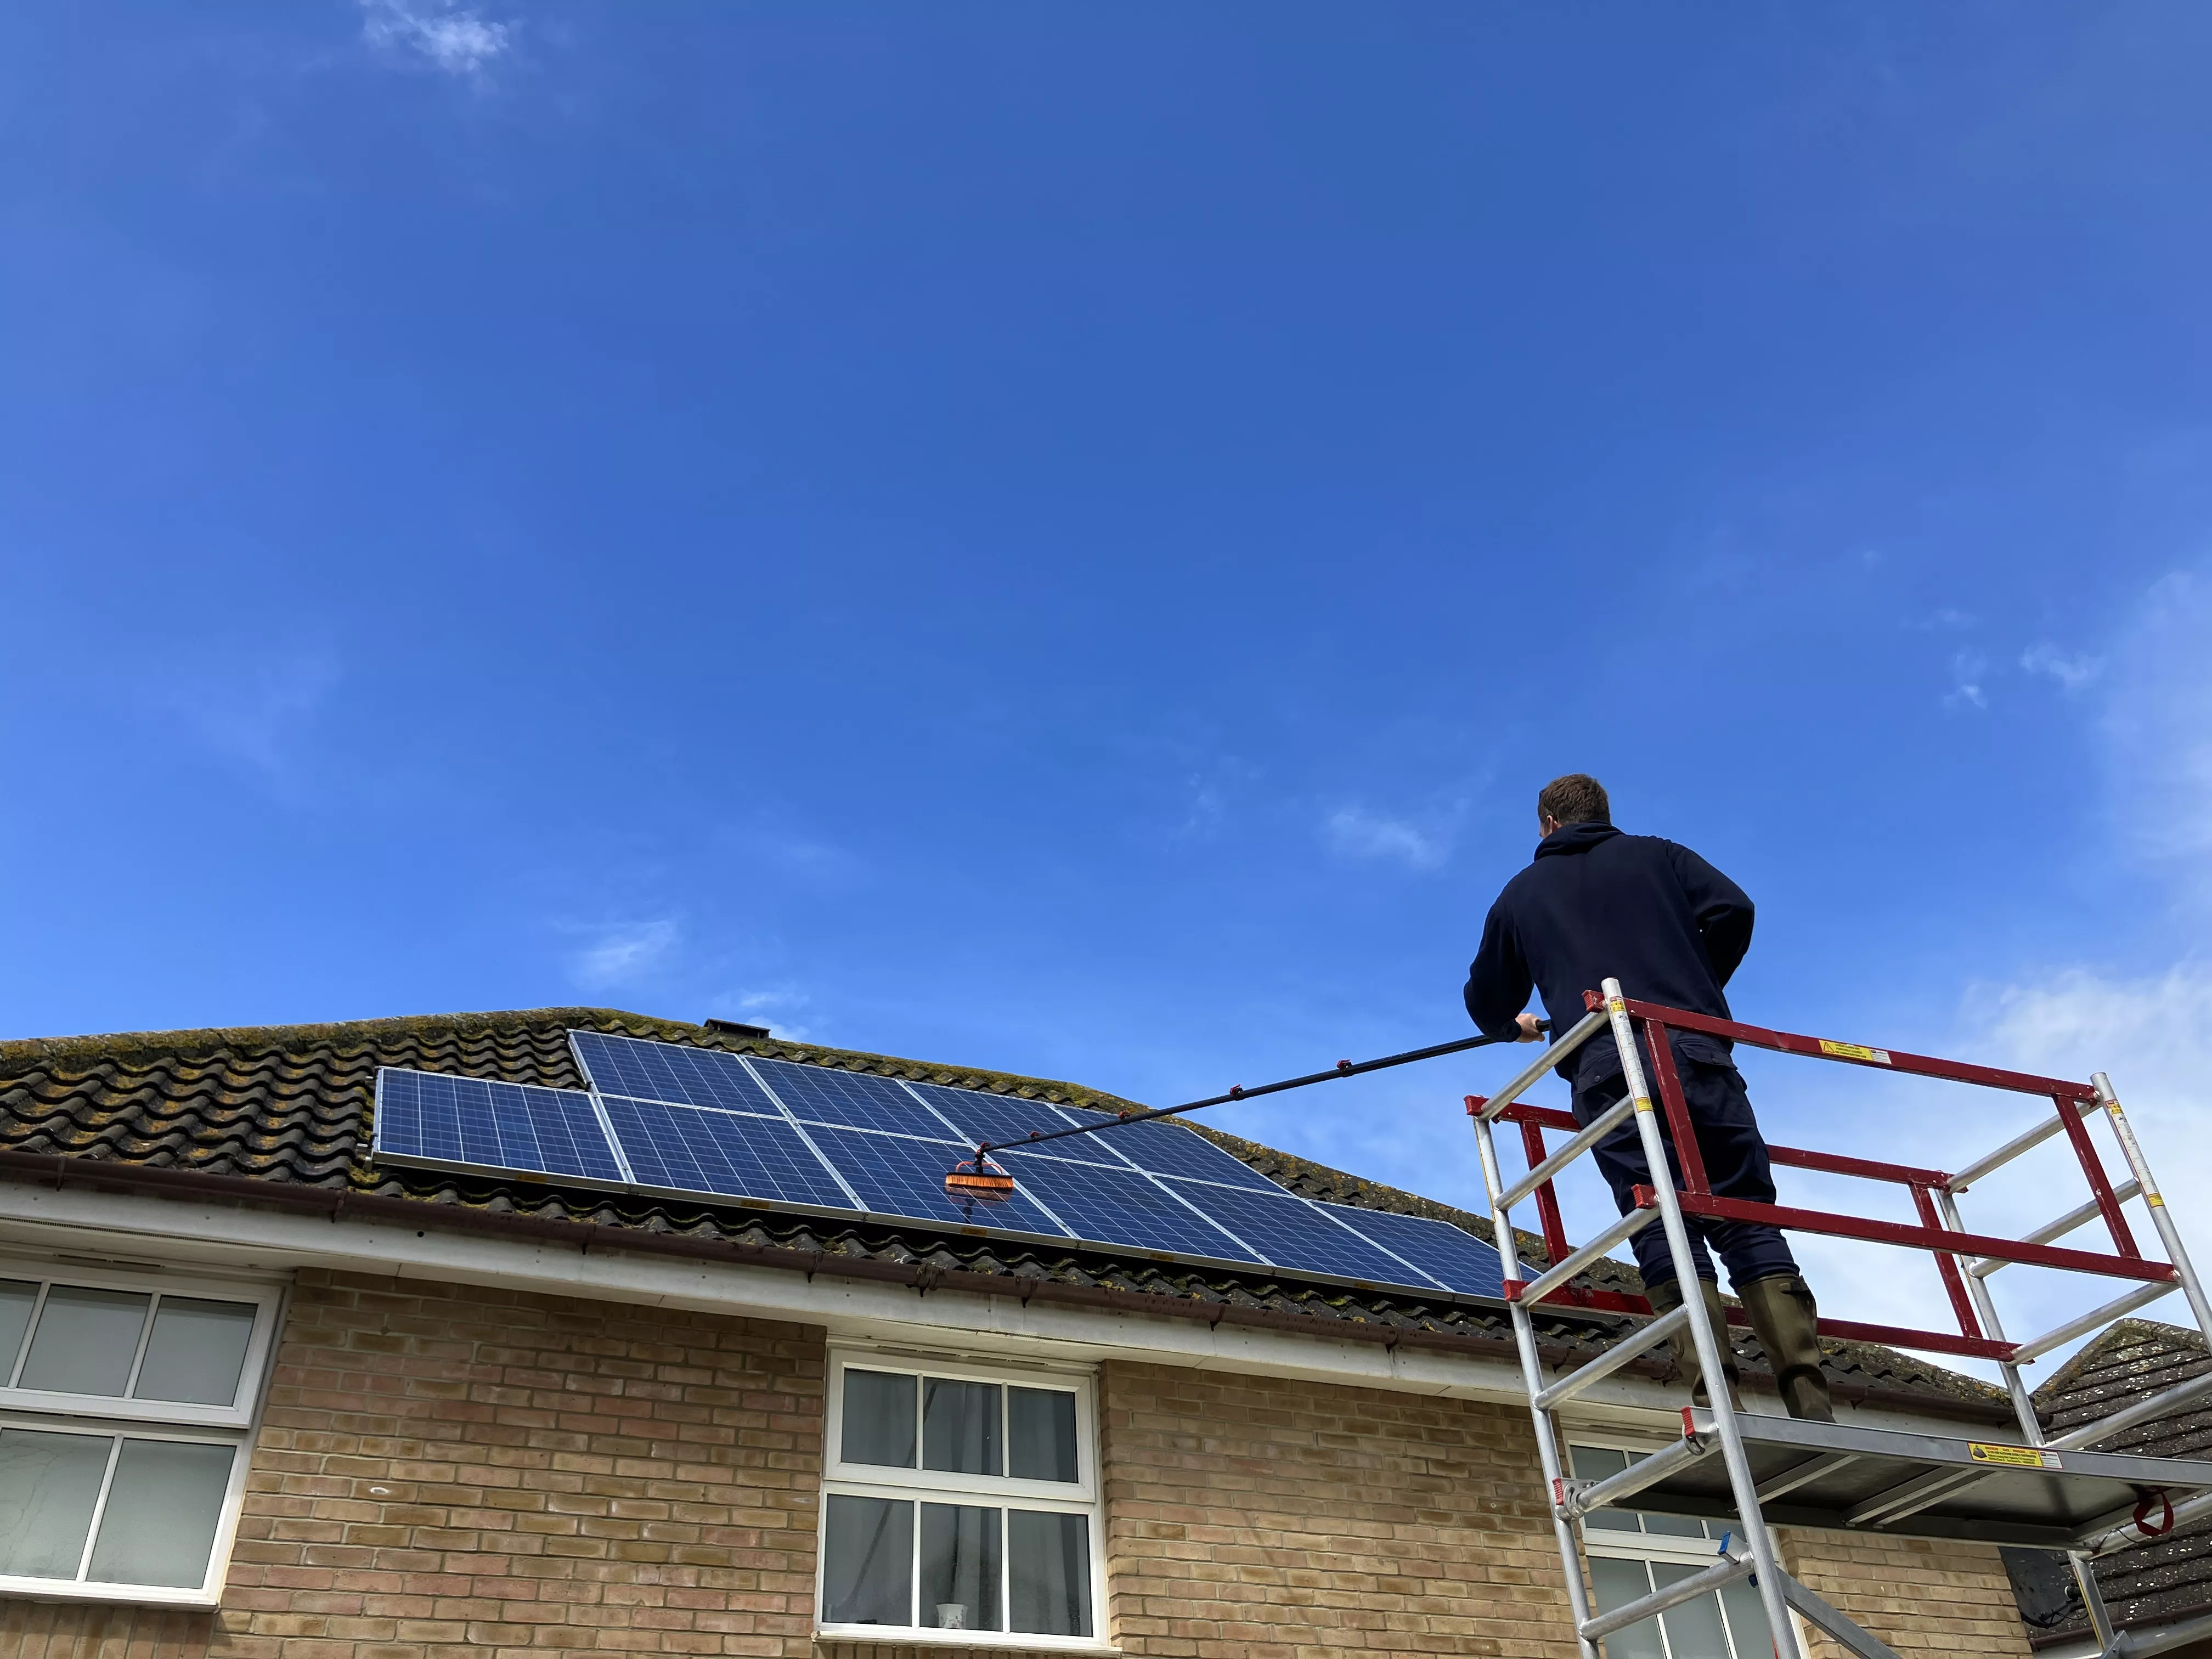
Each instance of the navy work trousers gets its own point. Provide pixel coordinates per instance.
(1736, 1167)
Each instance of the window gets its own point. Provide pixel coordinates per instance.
(125, 1404)
(958, 1498)
(1632, 1553)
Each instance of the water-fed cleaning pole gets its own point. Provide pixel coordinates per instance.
(978, 1177)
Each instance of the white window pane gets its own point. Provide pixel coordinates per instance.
(1693, 1630)
(960, 1426)
(197, 1351)
(86, 1341)
(48, 1486)
(1598, 1463)
(1746, 1620)
(1040, 1435)
(1615, 1584)
(1048, 1563)
(17, 1297)
(163, 1508)
(879, 1418)
(868, 1565)
(959, 1567)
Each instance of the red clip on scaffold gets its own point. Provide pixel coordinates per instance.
(2055, 1493)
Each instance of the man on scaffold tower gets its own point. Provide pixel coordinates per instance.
(1594, 904)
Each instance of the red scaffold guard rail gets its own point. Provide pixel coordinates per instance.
(1933, 1191)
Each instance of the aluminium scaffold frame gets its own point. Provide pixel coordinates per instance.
(1945, 1472)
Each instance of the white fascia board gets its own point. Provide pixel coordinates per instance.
(138, 1228)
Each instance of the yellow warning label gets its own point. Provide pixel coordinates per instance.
(1642, 1103)
(2012, 1457)
(1854, 1051)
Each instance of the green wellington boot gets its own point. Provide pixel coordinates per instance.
(1783, 1314)
(1665, 1298)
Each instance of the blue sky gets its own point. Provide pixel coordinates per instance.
(1067, 540)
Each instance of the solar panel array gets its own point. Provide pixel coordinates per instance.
(665, 1117)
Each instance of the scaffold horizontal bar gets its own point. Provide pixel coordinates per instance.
(2142, 1412)
(2095, 1319)
(1536, 1288)
(2081, 1216)
(1926, 1238)
(1621, 1353)
(1606, 1123)
(1858, 1054)
(1866, 1169)
(1588, 1026)
(2147, 1522)
(1644, 1472)
(2012, 1149)
(1723, 1572)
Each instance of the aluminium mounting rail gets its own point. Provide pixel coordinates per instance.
(1756, 1470)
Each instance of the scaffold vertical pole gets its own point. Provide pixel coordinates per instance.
(1532, 1379)
(1767, 1566)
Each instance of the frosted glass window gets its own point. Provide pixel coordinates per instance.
(1040, 1434)
(959, 1567)
(17, 1298)
(163, 1508)
(1048, 1573)
(867, 1562)
(196, 1351)
(49, 1484)
(1616, 1583)
(86, 1341)
(879, 1418)
(960, 1426)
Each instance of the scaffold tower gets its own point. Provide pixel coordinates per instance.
(1755, 1470)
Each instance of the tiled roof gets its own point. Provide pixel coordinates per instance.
(291, 1105)
(2171, 1578)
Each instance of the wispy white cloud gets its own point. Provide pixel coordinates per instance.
(1945, 619)
(1969, 669)
(249, 707)
(2158, 726)
(2076, 671)
(442, 33)
(624, 953)
(783, 1010)
(1360, 832)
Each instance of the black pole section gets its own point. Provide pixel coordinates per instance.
(1342, 1068)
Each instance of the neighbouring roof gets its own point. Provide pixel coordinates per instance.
(2151, 1583)
(289, 1107)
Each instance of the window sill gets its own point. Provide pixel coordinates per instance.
(990, 1641)
(113, 1596)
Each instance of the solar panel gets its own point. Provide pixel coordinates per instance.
(1293, 1232)
(771, 1131)
(1167, 1148)
(669, 1071)
(817, 1094)
(730, 1154)
(438, 1119)
(1462, 1262)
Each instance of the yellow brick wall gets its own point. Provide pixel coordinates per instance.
(570, 1478)
(1255, 1519)
(1917, 1595)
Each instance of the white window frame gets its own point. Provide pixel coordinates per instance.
(1620, 1545)
(1078, 1497)
(231, 1424)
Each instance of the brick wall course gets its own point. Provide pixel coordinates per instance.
(568, 1478)
(1920, 1595)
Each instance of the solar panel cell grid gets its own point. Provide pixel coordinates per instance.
(1291, 1233)
(1168, 1149)
(505, 1125)
(686, 1150)
(1116, 1207)
(897, 1176)
(1461, 1260)
(668, 1072)
(855, 1099)
(1002, 1119)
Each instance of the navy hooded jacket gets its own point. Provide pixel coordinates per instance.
(1596, 904)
